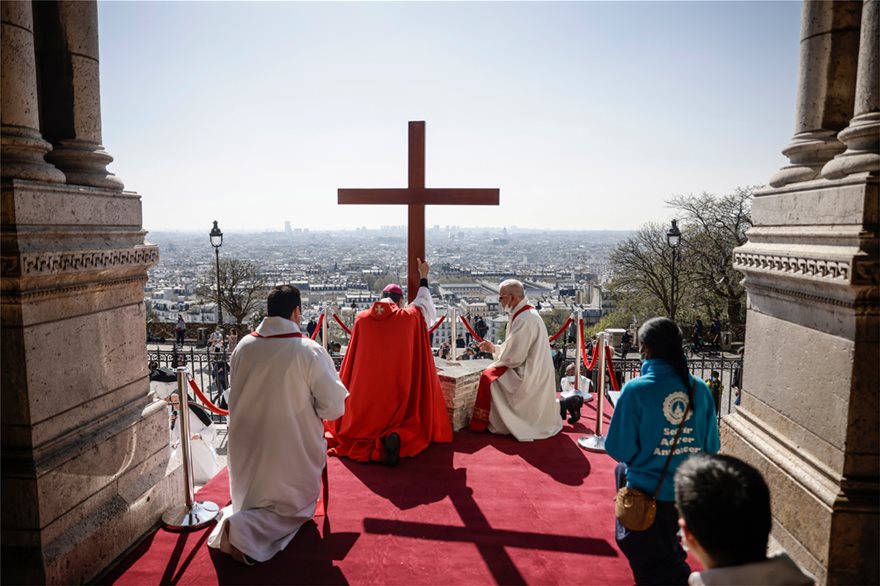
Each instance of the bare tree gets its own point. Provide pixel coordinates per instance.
(713, 227)
(242, 287)
(642, 281)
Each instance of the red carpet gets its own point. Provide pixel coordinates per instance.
(482, 510)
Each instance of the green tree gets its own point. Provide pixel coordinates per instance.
(242, 287)
(554, 320)
(378, 282)
(615, 319)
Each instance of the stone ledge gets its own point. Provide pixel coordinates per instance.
(50, 204)
(459, 385)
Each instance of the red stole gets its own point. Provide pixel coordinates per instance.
(290, 335)
(480, 418)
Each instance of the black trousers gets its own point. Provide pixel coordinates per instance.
(655, 555)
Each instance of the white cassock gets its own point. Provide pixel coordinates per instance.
(524, 398)
(280, 390)
(202, 453)
(566, 385)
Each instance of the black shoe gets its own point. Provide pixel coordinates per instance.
(392, 449)
(572, 405)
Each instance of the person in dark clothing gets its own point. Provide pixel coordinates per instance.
(180, 330)
(698, 334)
(310, 327)
(715, 334)
(480, 327)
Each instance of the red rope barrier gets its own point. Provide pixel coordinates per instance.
(612, 375)
(562, 329)
(588, 364)
(436, 325)
(318, 327)
(471, 330)
(342, 325)
(204, 399)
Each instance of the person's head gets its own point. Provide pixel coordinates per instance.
(510, 293)
(153, 365)
(174, 401)
(284, 301)
(569, 370)
(393, 292)
(724, 510)
(715, 375)
(660, 337)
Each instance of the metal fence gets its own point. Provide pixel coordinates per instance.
(201, 364)
(729, 369)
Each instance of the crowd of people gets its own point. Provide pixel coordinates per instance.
(290, 409)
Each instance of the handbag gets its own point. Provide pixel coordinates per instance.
(636, 509)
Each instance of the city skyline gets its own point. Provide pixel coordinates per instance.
(586, 115)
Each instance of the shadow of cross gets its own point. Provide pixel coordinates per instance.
(491, 543)
(416, 196)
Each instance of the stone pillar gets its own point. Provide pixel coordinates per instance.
(810, 414)
(862, 136)
(84, 444)
(826, 87)
(70, 113)
(22, 147)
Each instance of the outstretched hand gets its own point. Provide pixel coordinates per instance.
(424, 267)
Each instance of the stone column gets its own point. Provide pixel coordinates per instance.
(862, 136)
(85, 461)
(67, 54)
(826, 87)
(810, 416)
(22, 147)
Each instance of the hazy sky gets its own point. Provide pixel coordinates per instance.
(587, 115)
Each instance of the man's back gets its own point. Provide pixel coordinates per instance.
(281, 388)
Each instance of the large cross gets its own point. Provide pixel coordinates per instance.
(416, 196)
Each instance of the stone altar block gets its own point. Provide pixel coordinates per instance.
(459, 385)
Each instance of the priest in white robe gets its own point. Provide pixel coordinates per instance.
(282, 385)
(517, 393)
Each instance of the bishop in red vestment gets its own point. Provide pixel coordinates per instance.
(395, 407)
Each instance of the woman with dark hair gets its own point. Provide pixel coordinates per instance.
(643, 428)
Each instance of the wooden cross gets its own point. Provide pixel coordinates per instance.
(416, 196)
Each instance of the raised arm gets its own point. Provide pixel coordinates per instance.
(423, 298)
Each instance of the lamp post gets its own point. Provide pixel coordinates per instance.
(673, 239)
(217, 242)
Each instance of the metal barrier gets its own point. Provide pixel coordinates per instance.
(728, 367)
(201, 363)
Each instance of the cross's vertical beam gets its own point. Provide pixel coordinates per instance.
(416, 211)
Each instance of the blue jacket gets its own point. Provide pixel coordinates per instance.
(645, 420)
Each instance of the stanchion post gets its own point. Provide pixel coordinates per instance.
(596, 442)
(325, 325)
(453, 335)
(577, 354)
(193, 515)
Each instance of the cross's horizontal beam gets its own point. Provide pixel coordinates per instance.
(424, 196)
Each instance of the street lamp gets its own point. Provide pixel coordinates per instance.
(673, 239)
(217, 242)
